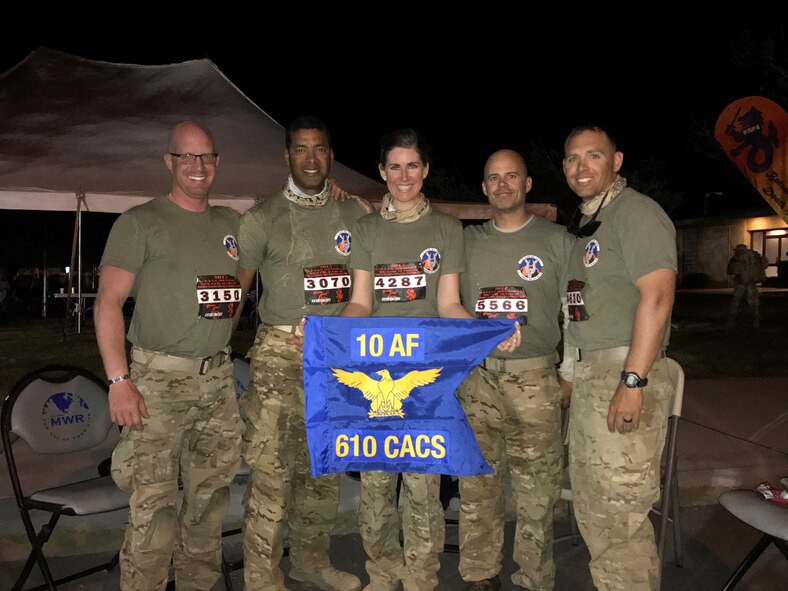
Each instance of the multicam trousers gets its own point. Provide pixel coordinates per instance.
(191, 441)
(280, 484)
(423, 528)
(516, 417)
(615, 476)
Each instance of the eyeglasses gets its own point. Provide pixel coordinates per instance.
(187, 158)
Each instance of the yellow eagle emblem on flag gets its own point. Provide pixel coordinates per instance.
(386, 394)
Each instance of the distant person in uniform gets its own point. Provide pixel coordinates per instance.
(181, 441)
(620, 291)
(515, 268)
(748, 269)
(299, 241)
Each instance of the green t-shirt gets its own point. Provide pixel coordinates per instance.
(406, 261)
(635, 238)
(302, 256)
(185, 291)
(518, 273)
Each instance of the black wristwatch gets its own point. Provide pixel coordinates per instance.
(633, 380)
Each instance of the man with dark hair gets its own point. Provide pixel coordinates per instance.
(299, 241)
(620, 290)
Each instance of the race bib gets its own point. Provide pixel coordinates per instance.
(400, 282)
(510, 302)
(326, 284)
(574, 298)
(218, 296)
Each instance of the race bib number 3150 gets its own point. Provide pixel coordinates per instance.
(218, 296)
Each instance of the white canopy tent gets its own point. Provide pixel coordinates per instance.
(73, 126)
(82, 135)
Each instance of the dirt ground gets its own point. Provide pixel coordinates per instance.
(700, 340)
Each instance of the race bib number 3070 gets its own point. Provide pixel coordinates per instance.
(400, 282)
(326, 284)
(218, 296)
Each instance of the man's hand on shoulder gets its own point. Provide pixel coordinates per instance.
(339, 194)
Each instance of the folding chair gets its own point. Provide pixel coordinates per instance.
(668, 508)
(241, 371)
(58, 411)
(768, 517)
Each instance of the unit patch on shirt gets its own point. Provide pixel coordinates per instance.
(231, 244)
(591, 253)
(430, 260)
(342, 240)
(530, 267)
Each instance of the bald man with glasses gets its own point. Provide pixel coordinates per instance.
(177, 256)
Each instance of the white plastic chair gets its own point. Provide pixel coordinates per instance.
(768, 517)
(58, 411)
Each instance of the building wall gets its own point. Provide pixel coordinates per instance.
(705, 246)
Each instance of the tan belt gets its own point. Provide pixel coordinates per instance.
(200, 366)
(611, 354)
(512, 365)
(291, 328)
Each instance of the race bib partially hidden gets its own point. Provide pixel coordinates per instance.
(574, 298)
(218, 296)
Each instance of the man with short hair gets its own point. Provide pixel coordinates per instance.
(515, 266)
(299, 241)
(620, 291)
(176, 255)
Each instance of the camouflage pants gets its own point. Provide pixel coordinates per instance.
(740, 290)
(280, 484)
(423, 528)
(191, 441)
(517, 421)
(615, 477)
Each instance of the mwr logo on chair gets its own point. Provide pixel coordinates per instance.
(66, 416)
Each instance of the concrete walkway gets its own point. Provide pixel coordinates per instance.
(733, 433)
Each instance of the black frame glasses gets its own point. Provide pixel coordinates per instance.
(187, 158)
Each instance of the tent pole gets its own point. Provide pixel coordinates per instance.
(45, 282)
(79, 263)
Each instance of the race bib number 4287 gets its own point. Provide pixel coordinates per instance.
(400, 282)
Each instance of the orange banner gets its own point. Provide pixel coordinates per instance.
(753, 132)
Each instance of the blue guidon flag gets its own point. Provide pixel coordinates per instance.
(380, 393)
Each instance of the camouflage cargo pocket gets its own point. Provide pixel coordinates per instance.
(122, 461)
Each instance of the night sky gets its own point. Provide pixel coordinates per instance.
(471, 92)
